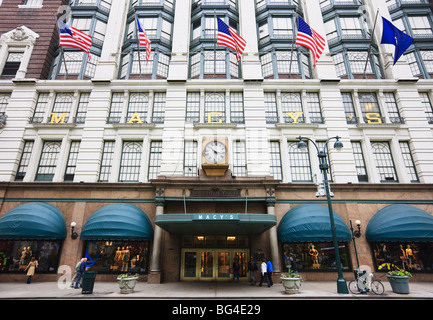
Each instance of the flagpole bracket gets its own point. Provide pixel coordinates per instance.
(407, 80)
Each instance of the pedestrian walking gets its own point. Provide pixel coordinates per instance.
(81, 272)
(264, 273)
(270, 270)
(76, 270)
(31, 267)
(236, 268)
(252, 268)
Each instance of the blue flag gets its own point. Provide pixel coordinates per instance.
(396, 37)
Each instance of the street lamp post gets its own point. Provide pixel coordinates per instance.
(355, 234)
(323, 165)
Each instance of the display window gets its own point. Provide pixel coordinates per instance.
(117, 256)
(15, 255)
(317, 256)
(409, 256)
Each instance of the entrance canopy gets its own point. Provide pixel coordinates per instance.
(216, 224)
(120, 221)
(400, 222)
(310, 222)
(33, 221)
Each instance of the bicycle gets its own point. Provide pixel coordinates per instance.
(362, 285)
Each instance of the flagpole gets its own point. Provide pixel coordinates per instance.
(138, 44)
(291, 51)
(214, 45)
(61, 50)
(371, 41)
(64, 62)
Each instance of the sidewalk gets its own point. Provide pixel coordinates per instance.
(201, 290)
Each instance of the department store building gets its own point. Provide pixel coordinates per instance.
(177, 167)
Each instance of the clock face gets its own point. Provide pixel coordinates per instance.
(215, 152)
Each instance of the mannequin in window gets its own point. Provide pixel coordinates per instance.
(125, 259)
(117, 258)
(403, 257)
(409, 254)
(314, 254)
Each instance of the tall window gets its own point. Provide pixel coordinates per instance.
(239, 159)
(41, 107)
(420, 25)
(48, 161)
(190, 159)
(361, 169)
(158, 107)
(131, 161)
(80, 116)
(4, 101)
(349, 108)
(138, 105)
(214, 108)
(428, 109)
(292, 108)
(106, 161)
(116, 107)
(62, 105)
(408, 161)
(72, 161)
(285, 64)
(13, 62)
(275, 165)
(384, 162)
(351, 64)
(155, 159)
(271, 107)
(193, 107)
(370, 108)
(25, 160)
(236, 107)
(299, 162)
(315, 111)
(392, 108)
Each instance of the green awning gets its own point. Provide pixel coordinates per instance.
(400, 222)
(216, 224)
(33, 221)
(119, 221)
(311, 222)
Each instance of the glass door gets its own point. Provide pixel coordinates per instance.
(189, 265)
(242, 258)
(212, 264)
(207, 265)
(223, 265)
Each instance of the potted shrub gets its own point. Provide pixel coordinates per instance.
(127, 282)
(399, 281)
(291, 281)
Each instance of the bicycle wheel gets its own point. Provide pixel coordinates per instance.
(353, 287)
(377, 287)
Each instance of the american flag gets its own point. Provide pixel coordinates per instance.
(229, 38)
(74, 38)
(144, 40)
(309, 38)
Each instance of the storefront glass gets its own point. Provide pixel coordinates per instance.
(117, 256)
(318, 256)
(410, 256)
(15, 255)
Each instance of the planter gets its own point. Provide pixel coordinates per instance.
(127, 285)
(291, 285)
(399, 284)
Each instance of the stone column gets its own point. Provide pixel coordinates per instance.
(155, 269)
(273, 239)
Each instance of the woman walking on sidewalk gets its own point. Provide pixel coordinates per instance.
(31, 267)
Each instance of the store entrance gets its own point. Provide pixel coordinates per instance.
(212, 264)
